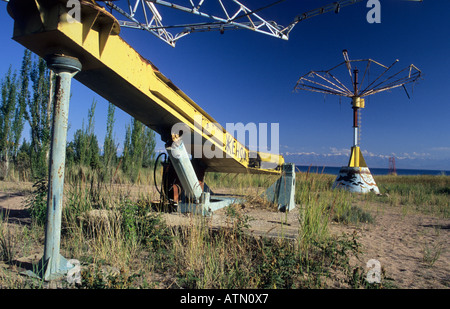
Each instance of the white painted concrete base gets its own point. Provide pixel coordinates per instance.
(356, 179)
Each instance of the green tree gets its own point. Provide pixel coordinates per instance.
(39, 117)
(23, 96)
(7, 112)
(127, 151)
(84, 148)
(94, 152)
(23, 162)
(79, 145)
(149, 147)
(137, 144)
(14, 99)
(92, 157)
(139, 148)
(109, 146)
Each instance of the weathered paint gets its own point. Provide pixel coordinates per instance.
(52, 264)
(208, 203)
(184, 169)
(356, 179)
(197, 200)
(282, 192)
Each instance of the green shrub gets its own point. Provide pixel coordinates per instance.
(37, 202)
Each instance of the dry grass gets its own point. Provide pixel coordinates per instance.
(113, 225)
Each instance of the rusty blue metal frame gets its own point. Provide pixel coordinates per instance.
(53, 265)
(183, 167)
(282, 192)
(195, 200)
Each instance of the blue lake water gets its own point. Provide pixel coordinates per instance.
(334, 170)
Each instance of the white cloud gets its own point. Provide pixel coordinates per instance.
(339, 152)
(301, 154)
(336, 156)
(371, 154)
(440, 149)
(335, 152)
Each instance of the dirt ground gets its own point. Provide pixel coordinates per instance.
(412, 248)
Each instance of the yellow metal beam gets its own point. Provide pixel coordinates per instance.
(117, 72)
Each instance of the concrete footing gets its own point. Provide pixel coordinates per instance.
(356, 179)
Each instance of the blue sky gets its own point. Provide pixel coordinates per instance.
(242, 76)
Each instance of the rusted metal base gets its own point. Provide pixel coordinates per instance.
(356, 179)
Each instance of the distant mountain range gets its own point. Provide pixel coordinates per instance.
(405, 161)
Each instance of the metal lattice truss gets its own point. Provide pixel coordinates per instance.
(327, 81)
(227, 14)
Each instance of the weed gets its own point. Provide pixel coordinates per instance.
(8, 241)
(141, 224)
(102, 277)
(432, 250)
(37, 202)
(431, 254)
(237, 220)
(353, 215)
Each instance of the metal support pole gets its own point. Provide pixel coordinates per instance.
(355, 110)
(53, 265)
(355, 126)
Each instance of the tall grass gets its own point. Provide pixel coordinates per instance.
(116, 230)
(112, 225)
(425, 194)
(230, 258)
(8, 241)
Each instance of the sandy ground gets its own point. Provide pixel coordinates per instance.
(404, 244)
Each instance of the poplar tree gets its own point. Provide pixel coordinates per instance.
(39, 117)
(109, 145)
(139, 148)
(126, 154)
(133, 149)
(92, 157)
(84, 146)
(23, 96)
(149, 147)
(14, 100)
(7, 112)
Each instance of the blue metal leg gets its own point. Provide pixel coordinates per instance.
(282, 192)
(53, 265)
(183, 167)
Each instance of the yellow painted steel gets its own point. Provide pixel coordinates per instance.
(117, 72)
(356, 158)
